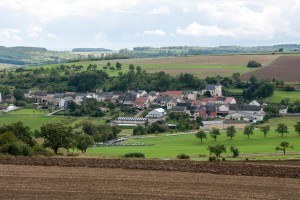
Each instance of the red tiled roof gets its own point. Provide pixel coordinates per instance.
(141, 100)
(170, 93)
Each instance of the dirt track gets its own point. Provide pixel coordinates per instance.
(53, 182)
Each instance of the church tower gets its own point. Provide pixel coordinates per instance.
(218, 88)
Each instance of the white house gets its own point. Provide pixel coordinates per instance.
(215, 90)
(157, 113)
(254, 103)
(283, 109)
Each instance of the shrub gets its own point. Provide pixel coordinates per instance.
(254, 64)
(223, 159)
(72, 154)
(288, 88)
(183, 156)
(134, 155)
(212, 158)
(40, 150)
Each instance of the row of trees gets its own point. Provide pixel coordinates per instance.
(248, 130)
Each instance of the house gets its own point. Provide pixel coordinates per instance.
(230, 100)
(215, 90)
(162, 100)
(174, 94)
(105, 96)
(81, 97)
(283, 109)
(190, 95)
(7, 99)
(127, 99)
(202, 111)
(179, 109)
(26, 93)
(141, 93)
(222, 109)
(141, 102)
(157, 113)
(254, 103)
(171, 104)
(130, 121)
(10, 108)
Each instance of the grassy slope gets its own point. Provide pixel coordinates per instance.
(170, 146)
(280, 95)
(36, 118)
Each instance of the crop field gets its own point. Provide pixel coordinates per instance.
(6, 66)
(281, 95)
(168, 146)
(47, 178)
(285, 68)
(200, 66)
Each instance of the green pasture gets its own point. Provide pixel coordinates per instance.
(168, 147)
(281, 95)
(35, 118)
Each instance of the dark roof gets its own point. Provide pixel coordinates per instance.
(235, 122)
(210, 87)
(163, 98)
(59, 95)
(178, 108)
(152, 93)
(283, 107)
(105, 94)
(244, 107)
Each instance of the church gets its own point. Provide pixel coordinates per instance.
(215, 90)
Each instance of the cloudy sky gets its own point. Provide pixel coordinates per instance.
(115, 24)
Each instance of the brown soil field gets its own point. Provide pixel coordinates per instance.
(235, 60)
(53, 182)
(283, 169)
(285, 68)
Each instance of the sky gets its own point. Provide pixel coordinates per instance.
(117, 24)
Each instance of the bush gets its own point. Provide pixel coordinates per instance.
(212, 158)
(223, 159)
(183, 156)
(72, 154)
(253, 64)
(134, 155)
(288, 88)
(14, 149)
(40, 150)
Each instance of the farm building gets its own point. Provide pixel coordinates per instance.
(130, 121)
(283, 109)
(224, 124)
(157, 113)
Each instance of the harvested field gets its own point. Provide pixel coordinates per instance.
(230, 60)
(285, 68)
(56, 182)
(225, 168)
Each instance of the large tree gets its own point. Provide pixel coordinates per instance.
(84, 141)
(297, 127)
(215, 132)
(265, 129)
(248, 130)
(57, 136)
(201, 135)
(282, 128)
(19, 95)
(217, 150)
(283, 146)
(230, 132)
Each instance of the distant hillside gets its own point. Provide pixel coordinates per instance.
(151, 52)
(33, 56)
(91, 50)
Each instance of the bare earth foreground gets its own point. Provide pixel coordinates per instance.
(55, 179)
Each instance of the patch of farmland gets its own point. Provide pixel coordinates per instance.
(229, 60)
(40, 182)
(285, 68)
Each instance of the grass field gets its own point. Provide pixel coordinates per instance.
(281, 95)
(35, 118)
(167, 147)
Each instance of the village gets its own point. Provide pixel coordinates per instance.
(214, 109)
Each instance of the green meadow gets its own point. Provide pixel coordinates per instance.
(166, 146)
(281, 95)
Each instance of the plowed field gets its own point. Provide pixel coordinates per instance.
(285, 68)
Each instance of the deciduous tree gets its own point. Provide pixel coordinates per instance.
(201, 135)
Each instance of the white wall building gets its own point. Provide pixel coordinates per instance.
(157, 113)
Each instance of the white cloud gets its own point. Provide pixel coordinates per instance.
(48, 10)
(160, 11)
(34, 31)
(52, 36)
(195, 29)
(10, 34)
(185, 10)
(157, 32)
(99, 36)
